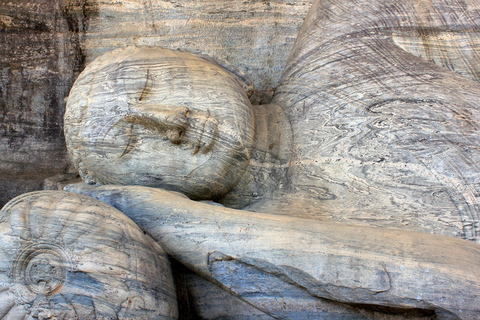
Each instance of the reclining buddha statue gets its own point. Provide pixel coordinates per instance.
(353, 194)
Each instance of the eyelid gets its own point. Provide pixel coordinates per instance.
(161, 121)
(170, 127)
(147, 122)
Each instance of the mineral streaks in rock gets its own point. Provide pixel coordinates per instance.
(39, 58)
(385, 97)
(255, 36)
(66, 256)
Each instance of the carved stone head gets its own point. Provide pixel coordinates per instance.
(159, 118)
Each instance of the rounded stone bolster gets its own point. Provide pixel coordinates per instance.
(69, 256)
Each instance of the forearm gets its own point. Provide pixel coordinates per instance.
(340, 262)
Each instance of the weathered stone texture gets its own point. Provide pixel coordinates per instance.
(385, 136)
(37, 64)
(66, 256)
(45, 44)
(254, 36)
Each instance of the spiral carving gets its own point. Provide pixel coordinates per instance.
(41, 268)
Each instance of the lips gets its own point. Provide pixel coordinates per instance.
(207, 136)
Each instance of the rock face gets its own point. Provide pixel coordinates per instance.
(67, 256)
(389, 134)
(254, 36)
(39, 59)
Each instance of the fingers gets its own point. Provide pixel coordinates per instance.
(109, 194)
(120, 196)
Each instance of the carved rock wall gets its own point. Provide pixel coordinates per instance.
(38, 62)
(255, 36)
(46, 43)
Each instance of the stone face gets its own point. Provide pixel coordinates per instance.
(73, 257)
(156, 118)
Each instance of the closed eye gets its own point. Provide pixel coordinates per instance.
(173, 132)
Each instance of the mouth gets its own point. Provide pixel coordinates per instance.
(207, 137)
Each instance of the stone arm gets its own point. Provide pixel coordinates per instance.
(345, 263)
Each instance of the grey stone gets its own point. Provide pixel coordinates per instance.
(372, 124)
(67, 256)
